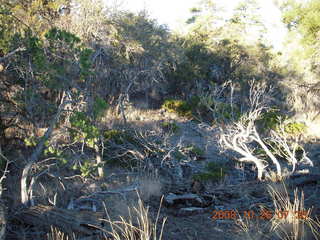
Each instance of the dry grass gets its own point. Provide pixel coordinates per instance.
(136, 116)
(56, 234)
(251, 230)
(138, 225)
(273, 177)
(292, 221)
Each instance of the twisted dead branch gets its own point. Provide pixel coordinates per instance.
(243, 137)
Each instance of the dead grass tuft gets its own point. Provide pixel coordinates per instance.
(292, 221)
(137, 226)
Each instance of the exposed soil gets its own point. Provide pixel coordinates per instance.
(237, 190)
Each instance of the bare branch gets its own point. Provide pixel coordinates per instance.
(10, 54)
(241, 134)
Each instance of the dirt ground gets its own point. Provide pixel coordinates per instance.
(238, 190)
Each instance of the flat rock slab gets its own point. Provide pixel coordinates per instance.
(172, 200)
(189, 211)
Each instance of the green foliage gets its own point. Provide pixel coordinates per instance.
(194, 65)
(57, 153)
(30, 141)
(87, 169)
(217, 111)
(274, 119)
(3, 163)
(225, 112)
(35, 47)
(190, 151)
(295, 128)
(182, 108)
(178, 155)
(196, 151)
(194, 101)
(83, 130)
(85, 62)
(120, 137)
(99, 106)
(304, 17)
(123, 158)
(54, 35)
(114, 135)
(170, 127)
(123, 162)
(270, 120)
(213, 172)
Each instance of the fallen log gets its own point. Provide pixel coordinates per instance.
(68, 221)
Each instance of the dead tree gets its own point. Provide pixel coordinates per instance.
(243, 137)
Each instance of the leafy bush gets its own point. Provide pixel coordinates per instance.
(270, 120)
(99, 106)
(182, 108)
(194, 152)
(170, 127)
(217, 111)
(119, 137)
(83, 130)
(125, 149)
(30, 141)
(178, 155)
(214, 172)
(57, 153)
(87, 169)
(225, 112)
(189, 151)
(274, 119)
(295, 128)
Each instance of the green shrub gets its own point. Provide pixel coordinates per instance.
(83, 130)
(224, 111)
(295, 128)
(120, 137)
(217, 112)
(270, 120)
(99, 106)
(30, 141)
(213, 172)
(57, 153)
(170, 127)
(182, 108)
(178, 155)
(124, 158)
(195, 151)
(113, 135)
(194, 101)
(123, 162)
(87, 168)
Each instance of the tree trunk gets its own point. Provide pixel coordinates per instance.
(99, 161)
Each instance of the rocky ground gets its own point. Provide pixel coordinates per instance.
(191, 205)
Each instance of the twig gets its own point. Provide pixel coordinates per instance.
(10, 54)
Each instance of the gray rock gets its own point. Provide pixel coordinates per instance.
(172, 199)
(189, 211)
